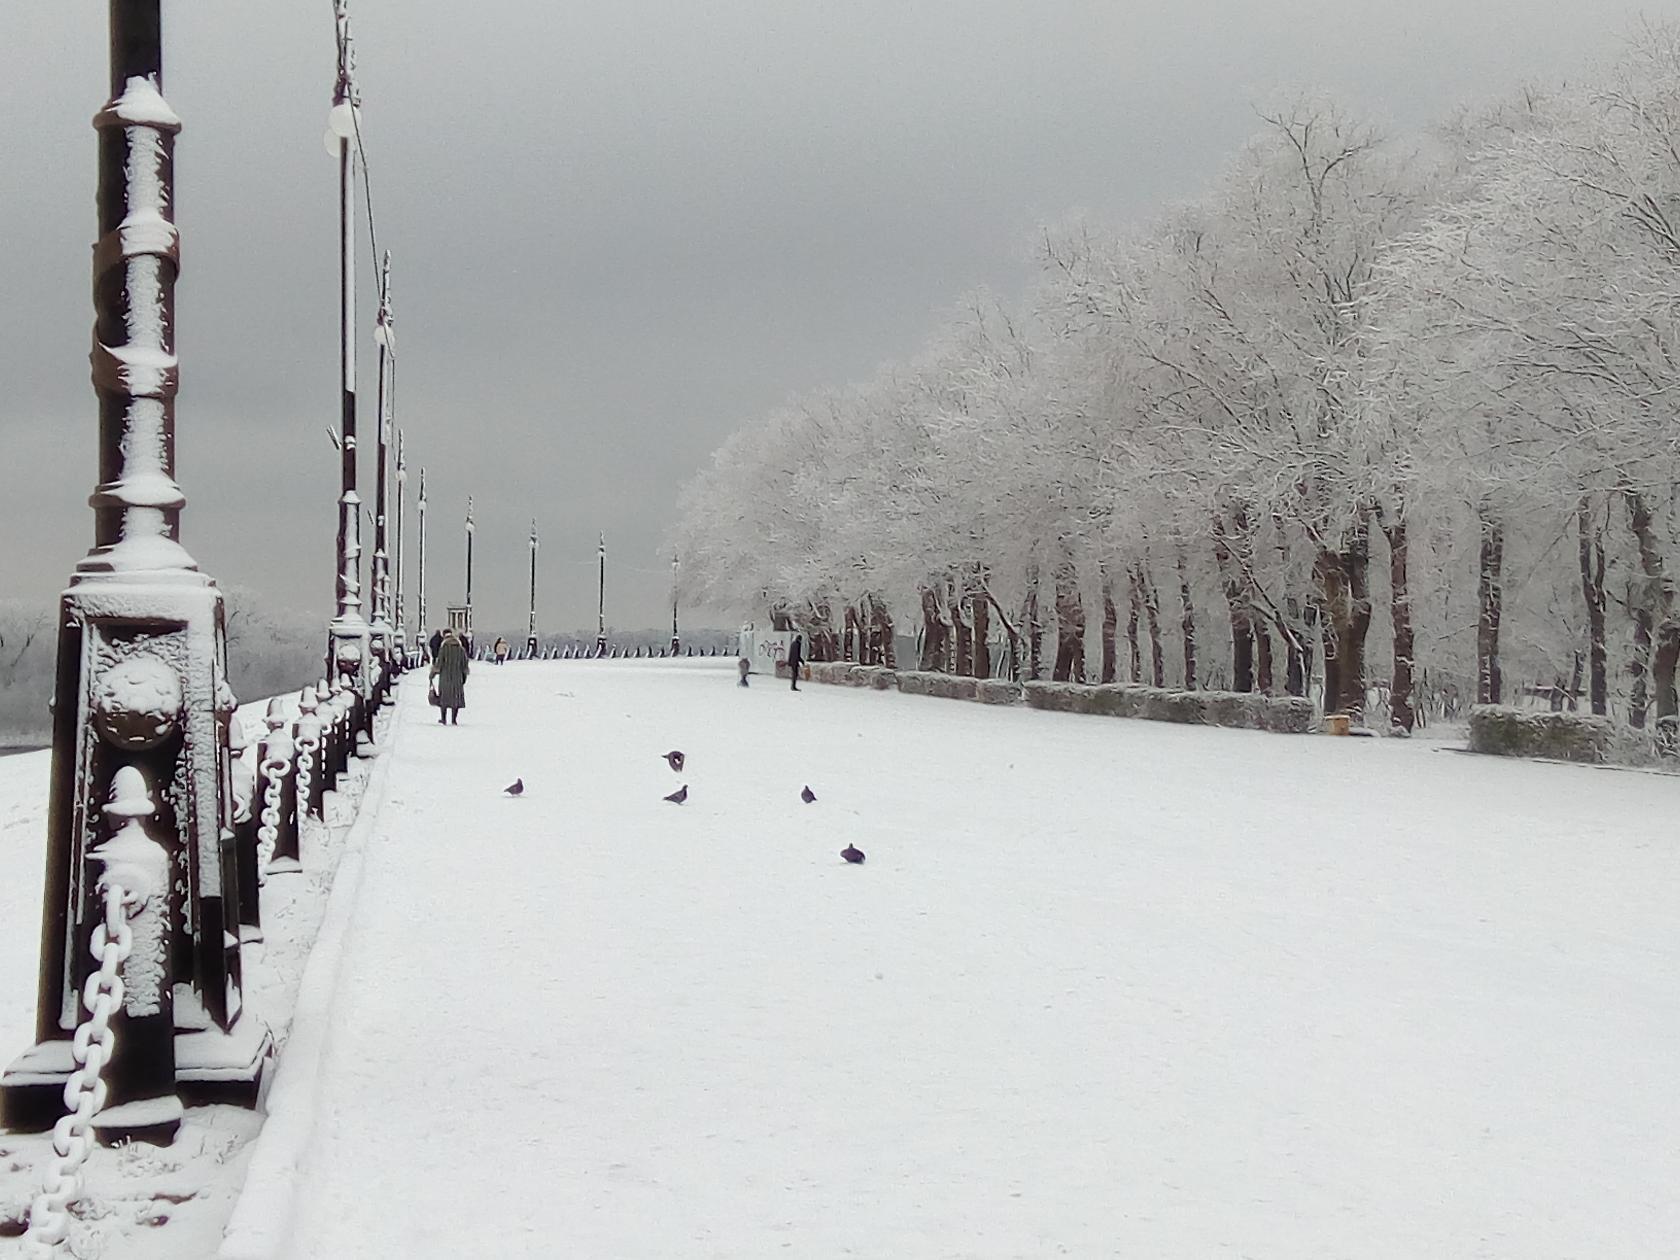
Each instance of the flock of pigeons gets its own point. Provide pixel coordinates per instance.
(675, 760)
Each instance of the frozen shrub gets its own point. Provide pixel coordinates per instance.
(1511, 732)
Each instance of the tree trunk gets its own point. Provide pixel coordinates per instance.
(1490, 687)
(1402, 712)
(1034, 631)
(849, 645)
(1133, 616)
(963, 665)
(933, 633)
(1152, 615)
(886, 651)
(1639, 695)
(1592, 590)
(1187, 626)
(1070, 624)
(1236, 597)
(982, 634)
(1110, 625)
(1345, 577)
(1262, 656)
(1297, 661)
(1655, 618)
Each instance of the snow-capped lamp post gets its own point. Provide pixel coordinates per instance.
(531, 625)
(676, 643)
(397, 598)
(383, 629)
(468, 603)
(420, 622)
(349, 644)
(601, 604)
(140, 816)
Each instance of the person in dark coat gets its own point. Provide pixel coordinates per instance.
(449, 678)
(433, 644)
(796, 657)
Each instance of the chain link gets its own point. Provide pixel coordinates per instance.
(85, 1092)
(306, 747)
(273, 772)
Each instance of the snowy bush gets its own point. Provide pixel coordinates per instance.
(945, 686)
(1508, 732)
(997, 691)
(1286, 715)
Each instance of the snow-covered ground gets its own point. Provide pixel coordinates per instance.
(1102, 988)
(142, 1202)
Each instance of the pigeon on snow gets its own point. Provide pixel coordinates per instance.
(852, 854)
(515, 788)
(807, 795)
(675, 760)
(679, 796)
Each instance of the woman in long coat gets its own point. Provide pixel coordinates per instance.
(449, 678)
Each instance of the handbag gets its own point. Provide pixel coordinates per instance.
(431, 693)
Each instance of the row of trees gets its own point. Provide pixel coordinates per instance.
(1373, 415)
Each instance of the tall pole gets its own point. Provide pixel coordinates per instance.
(348, 635)
(402, 498)
(141, 704)
(420, 622)
(675, 642)
(531, 625)
(470, 531)
(601, 605)
(383, 614)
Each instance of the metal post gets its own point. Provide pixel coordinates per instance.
(383, 615)
(601, 604)
(676, 643)
(470, 530)
(398, 599)
(348, 638)
(141, 705)
(531, 625)
(420, 561)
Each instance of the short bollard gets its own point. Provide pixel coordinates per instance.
(239, 848)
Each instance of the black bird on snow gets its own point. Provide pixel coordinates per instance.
(679, 796)
(674, 759)
(852, 854)
(515, 788)
(807, 795)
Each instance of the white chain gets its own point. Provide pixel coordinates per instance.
(306, 746)
(85, 1091)
(273, 773)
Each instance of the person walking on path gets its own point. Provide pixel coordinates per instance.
(433, 644)
(449, 678)
(501, 649)
(796, 657)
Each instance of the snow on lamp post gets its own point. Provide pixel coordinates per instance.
(398, 600)
(531, 625)
(601, 604)
(420, 565)
(471, 529)
(676, 643)
(348, 637)
(384, 617)
(142, 707)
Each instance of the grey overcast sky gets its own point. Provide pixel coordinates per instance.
(620, 229)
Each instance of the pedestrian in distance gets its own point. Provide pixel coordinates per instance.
(745, 666)
(796, 657)
(501, 650)
(433, 644)
(449, 678)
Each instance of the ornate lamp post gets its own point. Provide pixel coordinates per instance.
(384, 616)
(348, 639)
(676, 643)
(139, 799)
(420, 563)
(531, 625)
(601, 604)
(398, 599)
(471, 529)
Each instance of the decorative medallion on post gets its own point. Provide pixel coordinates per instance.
(141, 695)
(349, 643)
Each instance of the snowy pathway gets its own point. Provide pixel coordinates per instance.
(1102, 988)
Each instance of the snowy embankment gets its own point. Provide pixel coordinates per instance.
(1101, 988)
(142, 1202)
